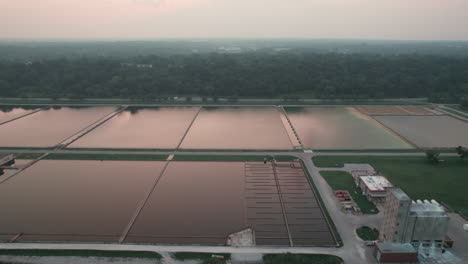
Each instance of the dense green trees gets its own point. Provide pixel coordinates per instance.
(285, 75)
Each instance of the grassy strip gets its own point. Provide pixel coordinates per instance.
(81, 253)
(73, 156)
(27, 148)
(301, 259)
(458, 107)
(239, 150)
(339, 241)
(450, 110)
(444, 181)
(372, 150)
(341, 180)
(118, 149)
(366, 233)
(185, 150)
(206, 258)
(28, 155)
(230, 158)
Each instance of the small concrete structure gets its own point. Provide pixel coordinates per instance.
(374, 187)
(244, 238)
(395, 253)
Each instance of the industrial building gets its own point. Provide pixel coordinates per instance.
(423, 224)
(374, 187)
(395, 253)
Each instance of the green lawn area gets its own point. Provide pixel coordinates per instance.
(413, 150)
(205, 258)
(301, 259)
(84, 156)
(340, 180)
(229, 158)
(367, 233)
(81, 253)
(28, 155)
(449, 109)
(445, 182)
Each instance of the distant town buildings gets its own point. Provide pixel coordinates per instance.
(136, 65)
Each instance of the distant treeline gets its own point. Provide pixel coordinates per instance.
(288, 74)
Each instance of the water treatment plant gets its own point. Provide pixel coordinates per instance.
(216, 178)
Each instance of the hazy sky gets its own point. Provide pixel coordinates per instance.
(152, 19)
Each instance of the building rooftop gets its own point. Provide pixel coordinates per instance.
(400, 194)
(376, 183)
(396, 247)
(427, 209)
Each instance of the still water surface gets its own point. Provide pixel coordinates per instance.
(194, 202)
(75, 200)
(141, 128)
(238, 128)
(429, 131)
(47, 128)
(8, 113)
(341, 128)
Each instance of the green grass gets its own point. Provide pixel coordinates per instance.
(301, 259)
(230, 158)
(341, 180)
(80, 253)
(27, 148)
(117, 149)
(372, 150)
(238, 150)
(337, 236)
(445, 182)
(83, 156)
(367, 233)
(206, 258)
(28, 155)
(450, 110)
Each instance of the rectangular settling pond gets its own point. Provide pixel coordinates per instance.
(238, 128)
(80, 201)
(192, 203)
(156, 128)
(429, 131)
(341, 128)
(48, 128)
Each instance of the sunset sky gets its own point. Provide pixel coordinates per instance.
(155, 19)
